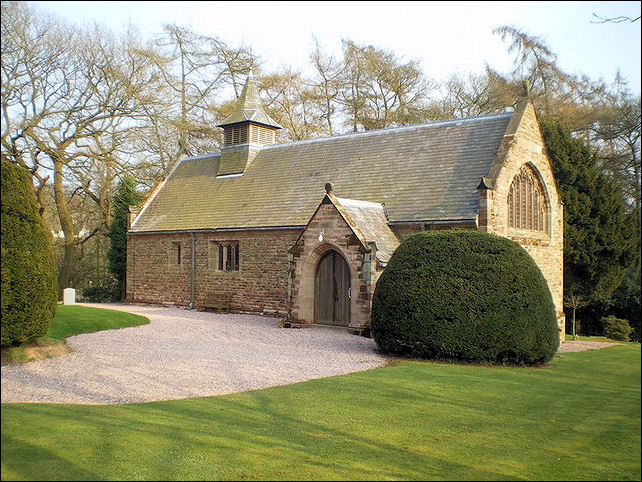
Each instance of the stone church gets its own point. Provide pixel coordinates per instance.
(302, 230)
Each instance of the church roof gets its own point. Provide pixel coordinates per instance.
(427, 172)
(368, 222)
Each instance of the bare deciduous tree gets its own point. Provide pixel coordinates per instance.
(193, 69)
(618, 128)
(575, 302)
(68, 98)
(618, 19)
(327, 85)
(574, 100)
(293, 103)
(380, 90)
(478, 95)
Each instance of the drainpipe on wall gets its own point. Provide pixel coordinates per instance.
(290, 275)
(369, 265)
(192, 269)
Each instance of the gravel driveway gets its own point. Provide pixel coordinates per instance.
(183, 354)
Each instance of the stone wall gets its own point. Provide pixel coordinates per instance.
(524, 144)
(152, 277)
(404, 231)
(336, 236)
(259, 286)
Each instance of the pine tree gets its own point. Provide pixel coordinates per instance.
(126, 195)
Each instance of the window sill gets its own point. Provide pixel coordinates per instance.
(529, 234)
(224, 274)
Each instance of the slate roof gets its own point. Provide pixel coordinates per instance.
(428, 172)
(368, 221)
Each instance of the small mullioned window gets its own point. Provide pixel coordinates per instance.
(224, 255)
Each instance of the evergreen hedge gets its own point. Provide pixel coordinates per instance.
(617, 328)
(29, 286)
(465, 296)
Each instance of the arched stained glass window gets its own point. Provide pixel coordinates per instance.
(527, 203)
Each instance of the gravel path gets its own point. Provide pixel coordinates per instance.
(571, 345)
(183, 354)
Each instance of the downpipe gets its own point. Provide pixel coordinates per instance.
(192, 271)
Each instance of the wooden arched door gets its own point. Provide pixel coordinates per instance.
(332, 290)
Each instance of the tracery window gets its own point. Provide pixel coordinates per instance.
(527, 203)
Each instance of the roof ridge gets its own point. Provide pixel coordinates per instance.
(198, 157)
(358, 202)
(387, 130)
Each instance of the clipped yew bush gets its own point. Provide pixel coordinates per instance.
(465, 296)
(29, 287)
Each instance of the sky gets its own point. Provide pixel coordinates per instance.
(445, 37)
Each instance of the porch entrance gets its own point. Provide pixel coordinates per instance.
(332, 290)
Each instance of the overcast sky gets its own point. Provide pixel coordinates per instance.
(447, 37)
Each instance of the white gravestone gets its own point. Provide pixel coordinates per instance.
(69, 296)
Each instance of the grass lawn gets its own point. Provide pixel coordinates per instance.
(578, 419)
(71, 320)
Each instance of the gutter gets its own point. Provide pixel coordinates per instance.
(445, 221)
(217, 230)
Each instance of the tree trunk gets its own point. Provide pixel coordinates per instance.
(66, 223)
(574, 335)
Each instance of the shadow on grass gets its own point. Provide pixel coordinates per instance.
(217, 439)
(413, 421)
(25, 461)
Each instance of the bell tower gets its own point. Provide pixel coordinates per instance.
(245, 131)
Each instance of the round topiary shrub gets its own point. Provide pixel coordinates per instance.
(466, 296)
(29, 286)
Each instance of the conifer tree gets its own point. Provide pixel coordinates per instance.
(29, 288)
(126, 195)
(599, 235)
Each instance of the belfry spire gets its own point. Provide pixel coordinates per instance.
(249, 107)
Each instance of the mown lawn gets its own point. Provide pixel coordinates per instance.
(76, 319)
(578, 419)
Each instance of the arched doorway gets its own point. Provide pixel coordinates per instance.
(332, 290)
